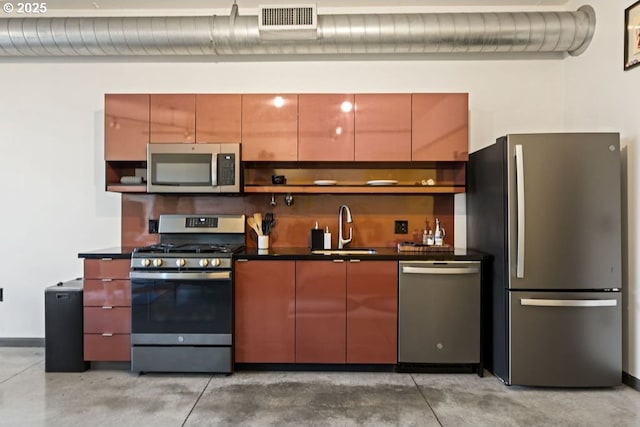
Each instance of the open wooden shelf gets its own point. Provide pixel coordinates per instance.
(360, 189)
(123, 188)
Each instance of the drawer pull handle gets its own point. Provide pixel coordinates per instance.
(107, 307)
(354, 260)
(106, 259)
(107, 280)
(107, 335)
(338, 260)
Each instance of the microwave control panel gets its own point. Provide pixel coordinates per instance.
(226, 169)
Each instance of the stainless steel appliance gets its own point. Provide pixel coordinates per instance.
(182, 295)
(439, 313)
(548, 208)
(193, 168)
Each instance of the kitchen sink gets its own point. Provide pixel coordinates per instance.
(348, 251)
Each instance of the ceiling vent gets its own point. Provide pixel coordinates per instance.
(288, 22)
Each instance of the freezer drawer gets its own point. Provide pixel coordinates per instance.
(565, 339)
(439, 312)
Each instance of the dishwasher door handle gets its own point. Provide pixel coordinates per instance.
(438, 270)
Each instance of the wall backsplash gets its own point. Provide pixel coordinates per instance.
(373, 215)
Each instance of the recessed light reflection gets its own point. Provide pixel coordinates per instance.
(339, 130)
(346, 106)
(278, 101)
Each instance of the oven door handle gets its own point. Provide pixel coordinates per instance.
(199, 275)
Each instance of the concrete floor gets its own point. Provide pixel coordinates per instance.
(103, 397)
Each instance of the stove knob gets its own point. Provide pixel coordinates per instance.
(145, 262)
(215, 262)
(181, 262)
(204, 262)
(157, 262)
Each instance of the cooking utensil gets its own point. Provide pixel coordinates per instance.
(258, 218)
(267, 223)
(251, 222)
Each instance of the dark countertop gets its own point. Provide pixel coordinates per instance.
(298, 253)
(304, 253)
(116, 252)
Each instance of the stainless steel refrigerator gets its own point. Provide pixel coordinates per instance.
(547, 207)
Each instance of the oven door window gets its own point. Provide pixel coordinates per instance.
(181, 306)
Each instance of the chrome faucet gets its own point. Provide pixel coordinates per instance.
(341, 240)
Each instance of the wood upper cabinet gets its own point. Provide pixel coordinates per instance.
(440, 127)
(325, 127)
(269, 127)
(264, 311)
(383, 127)
(372, 312)
(218, 118)
(126, 126)
(320, 312)
(173, 118)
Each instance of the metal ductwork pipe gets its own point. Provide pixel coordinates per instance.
(335, 34)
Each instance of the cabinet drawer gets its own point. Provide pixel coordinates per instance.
(106, 268)
(107, 292)
(115, 348)
(98, 320)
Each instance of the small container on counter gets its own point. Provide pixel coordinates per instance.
(327, 238)
(316, 238)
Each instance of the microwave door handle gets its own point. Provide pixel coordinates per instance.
(214, 169)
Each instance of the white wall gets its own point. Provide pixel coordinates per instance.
(601, 96)
(51, 131)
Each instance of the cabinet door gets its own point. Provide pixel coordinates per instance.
(107, 347)
(372, 312)
(264, 311)
(320, 312)
(107, 292)
(173, 118)
(218, 118)
(269, 127)
(325, 127)
(440, 127)
(383, 127)
(126, 126)
(106, 268)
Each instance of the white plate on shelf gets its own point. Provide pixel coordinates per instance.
(325, 182)
(382, 182)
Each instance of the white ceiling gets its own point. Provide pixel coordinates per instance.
(78, 5)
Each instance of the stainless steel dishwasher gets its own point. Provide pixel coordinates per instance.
(439, 313)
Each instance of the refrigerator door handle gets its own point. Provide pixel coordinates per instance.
(520, 216)
(568, 303)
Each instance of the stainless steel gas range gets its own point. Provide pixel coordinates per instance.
(182, 295)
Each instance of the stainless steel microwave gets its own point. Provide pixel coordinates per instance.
(193, 168)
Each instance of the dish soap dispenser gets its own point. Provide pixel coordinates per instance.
(327, 238)
(317, 237)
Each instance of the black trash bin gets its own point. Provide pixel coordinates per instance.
(63, 328)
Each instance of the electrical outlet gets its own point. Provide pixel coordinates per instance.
(153, 226)
(401, 227)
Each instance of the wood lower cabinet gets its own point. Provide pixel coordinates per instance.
(173, 118)
(383, 127)
(331, 312)
(321, 311)
(107, 310)
(325, 127)
(126, 127)
(440, 127)
(372, 312)
(270, 127)
(264, 329)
